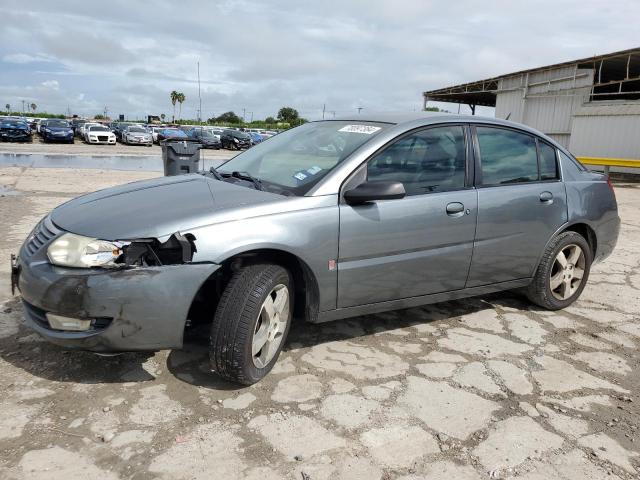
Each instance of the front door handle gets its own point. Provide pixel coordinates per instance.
(455, 209)
(546, 197)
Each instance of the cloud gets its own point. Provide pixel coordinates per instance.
(51, 84)
(260, 56)
(23, 58)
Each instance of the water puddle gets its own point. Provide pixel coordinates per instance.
(150, 163)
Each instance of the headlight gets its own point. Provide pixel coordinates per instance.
(235, 139)
(72, 250)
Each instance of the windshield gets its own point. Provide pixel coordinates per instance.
(295, 160)
(12, 124)
(137, 130)
(98, 129)
(57, 123)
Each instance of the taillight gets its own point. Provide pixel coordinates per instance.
(611, 185)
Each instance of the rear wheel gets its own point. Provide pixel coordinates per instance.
(251, 323)
(562, 273)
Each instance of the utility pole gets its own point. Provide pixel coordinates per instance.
(199, 97)
(244, 113)
(324, 106)
(359, 109)
(106, 112)
(23, 107)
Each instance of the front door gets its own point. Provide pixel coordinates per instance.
(417, 245)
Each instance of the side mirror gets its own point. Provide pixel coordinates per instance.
(370, 191)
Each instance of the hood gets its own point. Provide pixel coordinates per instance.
(154, 208)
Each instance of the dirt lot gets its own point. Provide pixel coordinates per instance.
(489, 387)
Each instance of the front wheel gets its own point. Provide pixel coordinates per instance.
(562, 273)
(251, 323)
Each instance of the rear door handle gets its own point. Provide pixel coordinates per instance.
(546, 197)
(455, 209)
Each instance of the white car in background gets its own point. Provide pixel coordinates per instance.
(216, 132)
(85, 126)
(99, 134)
(154, 132)
(137, 135)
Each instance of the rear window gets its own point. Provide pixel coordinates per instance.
(507, 156)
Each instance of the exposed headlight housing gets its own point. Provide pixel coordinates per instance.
(71, 250)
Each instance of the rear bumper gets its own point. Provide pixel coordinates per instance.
(130, 310)
(607, 236)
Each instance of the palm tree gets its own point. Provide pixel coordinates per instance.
(174, 98)
(8, 107)
(181, 99)
(34, 107)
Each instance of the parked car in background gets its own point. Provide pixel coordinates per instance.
(99, 134)
(205, 137)
(255, 137)
(83, 128)
(57, 130)
(120, 127)
(12, 130)
(407, 210)
(235, 140)
(76, 125)
(171, 134)
(137, 135)
(155, 130)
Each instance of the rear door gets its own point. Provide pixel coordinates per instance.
(521, 203)
(419, 244)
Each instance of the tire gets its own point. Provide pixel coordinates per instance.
(240, 318)
(550, 271)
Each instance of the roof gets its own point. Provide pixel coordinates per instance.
(621, 66)
(417, 119)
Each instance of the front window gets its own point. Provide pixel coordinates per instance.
(137, 130)
(296, 160)
(98, 129)
(430, 160)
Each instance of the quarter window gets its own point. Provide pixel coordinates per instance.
(507, 156)
(548, 162)
(430, 160)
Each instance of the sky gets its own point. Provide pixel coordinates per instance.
(257, 56)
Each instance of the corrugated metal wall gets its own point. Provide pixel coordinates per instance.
(545, 100)
(610, 130)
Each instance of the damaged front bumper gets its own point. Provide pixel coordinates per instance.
(138, 308)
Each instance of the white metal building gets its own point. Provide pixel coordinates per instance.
(591, 105)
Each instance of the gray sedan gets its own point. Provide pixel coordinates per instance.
(329, 220)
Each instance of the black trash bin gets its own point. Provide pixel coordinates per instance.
(180, 157)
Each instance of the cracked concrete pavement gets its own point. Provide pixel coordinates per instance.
(488, 387)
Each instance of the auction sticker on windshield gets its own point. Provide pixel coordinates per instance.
(366, 129)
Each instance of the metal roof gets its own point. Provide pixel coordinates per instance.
(611, 71)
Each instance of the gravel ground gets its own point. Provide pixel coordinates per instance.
(489, 387)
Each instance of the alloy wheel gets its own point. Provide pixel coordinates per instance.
(271, 325)
(567, 272)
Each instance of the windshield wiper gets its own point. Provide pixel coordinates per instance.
(246, 176)
(215, 173)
